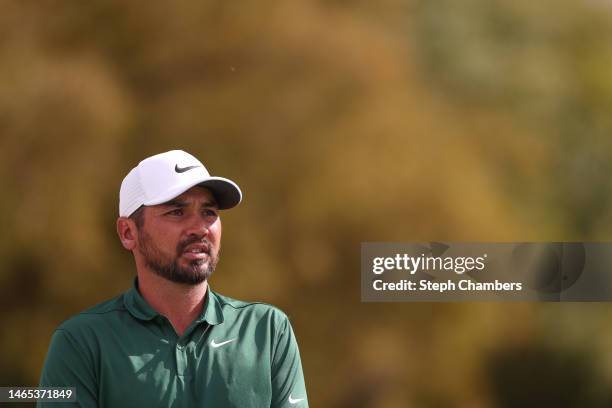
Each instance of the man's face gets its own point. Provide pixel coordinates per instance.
(180, 240)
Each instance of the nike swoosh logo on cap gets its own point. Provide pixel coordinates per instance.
(294, 401)
(215, 345)
(183, 169)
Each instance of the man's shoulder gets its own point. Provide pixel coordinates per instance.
(95, 315)
(254, 309)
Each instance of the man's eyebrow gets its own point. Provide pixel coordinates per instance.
(181, 203)
(174, 203)
(211, 203)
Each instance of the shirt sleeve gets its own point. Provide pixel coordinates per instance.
(67, 365)
(288, 386)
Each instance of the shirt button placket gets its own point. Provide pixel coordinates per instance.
(181, 358)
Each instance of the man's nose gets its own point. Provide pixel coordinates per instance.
(198, 225)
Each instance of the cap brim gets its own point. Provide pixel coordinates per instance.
(226, 192)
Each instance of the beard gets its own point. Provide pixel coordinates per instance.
(198, 270)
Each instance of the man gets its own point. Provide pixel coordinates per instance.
(170, 341)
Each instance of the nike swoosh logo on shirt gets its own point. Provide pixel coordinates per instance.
(215, 345)
(183, 169)
(294, 401)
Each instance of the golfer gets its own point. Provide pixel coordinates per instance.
(170, 341)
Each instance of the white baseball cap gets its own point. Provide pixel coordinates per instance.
(160, 178)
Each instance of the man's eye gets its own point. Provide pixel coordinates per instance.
(178, 211)
(210, 213)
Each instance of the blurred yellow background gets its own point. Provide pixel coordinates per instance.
(343, 121)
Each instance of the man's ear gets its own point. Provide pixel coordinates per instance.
(126, 229)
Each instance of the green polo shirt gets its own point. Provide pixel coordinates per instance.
(122, 353)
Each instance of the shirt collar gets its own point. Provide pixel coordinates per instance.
(212, 312)
(136, 305)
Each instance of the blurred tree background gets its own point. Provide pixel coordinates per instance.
(343, 121)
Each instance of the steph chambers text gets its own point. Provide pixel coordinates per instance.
(441, 287)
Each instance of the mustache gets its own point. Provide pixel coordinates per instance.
(180, 248)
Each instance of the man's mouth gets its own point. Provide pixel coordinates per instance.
(197, 251)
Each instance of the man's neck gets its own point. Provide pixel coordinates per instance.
(181, 304)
